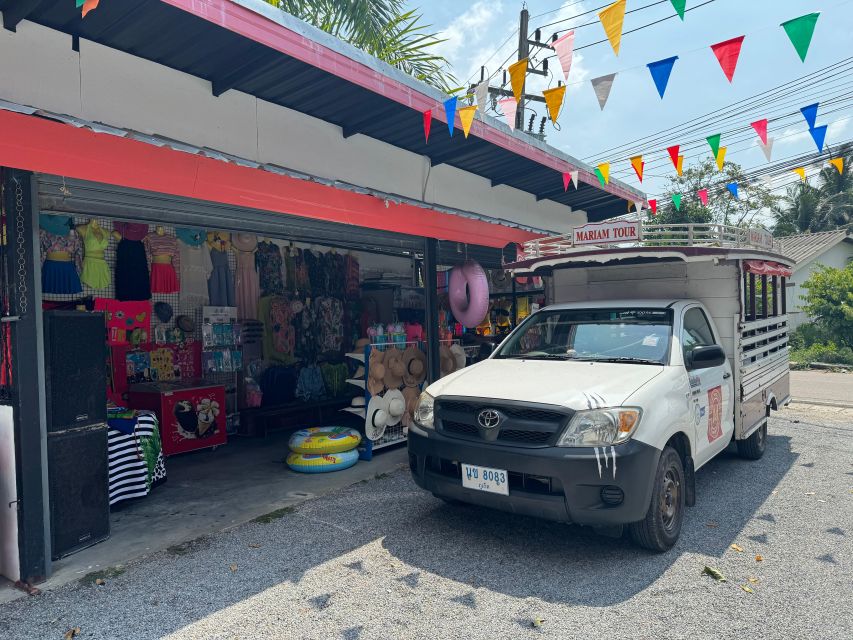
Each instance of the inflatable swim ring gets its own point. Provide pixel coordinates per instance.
(324, 440)
(468, 293)
(313, 463)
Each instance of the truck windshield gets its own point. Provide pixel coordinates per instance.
(605, 335)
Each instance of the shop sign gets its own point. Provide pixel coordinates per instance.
(608, 232)
(761, 238)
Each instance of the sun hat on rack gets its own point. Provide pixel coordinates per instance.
(414, 364)
(376, 373)
(357, 401)
(245, 241)
(396, 406)
(448, 361)
(459, 354)
(394, 368)
(377, 418)
(163, 311)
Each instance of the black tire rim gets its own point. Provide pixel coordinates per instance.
(670, 499)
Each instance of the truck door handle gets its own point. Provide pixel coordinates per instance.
(726, 375)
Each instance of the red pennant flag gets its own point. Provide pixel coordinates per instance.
(703, 196)
(727, 54)
(566, 179)
(427, 123)
(673, 153)
(760, 127)
(653, 204)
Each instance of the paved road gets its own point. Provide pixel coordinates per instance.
(822, 386)
(384, 560)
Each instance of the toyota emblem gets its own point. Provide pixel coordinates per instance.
(489, 418)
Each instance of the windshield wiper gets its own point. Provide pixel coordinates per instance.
(625, 359)
(540, 356)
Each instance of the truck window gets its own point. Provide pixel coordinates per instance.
(696, 332)
(607, 335)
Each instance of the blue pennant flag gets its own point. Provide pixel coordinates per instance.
(660, 71)
(450, 110)
(732, 187)
(810, 114)
(818, 135)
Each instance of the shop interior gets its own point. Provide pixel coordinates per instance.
(240, 369)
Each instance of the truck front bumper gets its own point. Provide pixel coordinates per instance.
(595, 487)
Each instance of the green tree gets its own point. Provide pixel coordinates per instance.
(722, 206)
(829, 300)
(382, 28)
(799, 212)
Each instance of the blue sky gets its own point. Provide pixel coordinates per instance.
(697, 86)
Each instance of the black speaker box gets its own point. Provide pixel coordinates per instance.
(75, 357)
(79, 489)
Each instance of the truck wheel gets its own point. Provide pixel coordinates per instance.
(753, 447)
(660, 529)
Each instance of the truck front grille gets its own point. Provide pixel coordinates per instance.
(527, 482)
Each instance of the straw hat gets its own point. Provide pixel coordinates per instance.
(245, 241)
(459, 353)
(396, 406)
(375, 383)
(394, 368)
(358, 401)
(377, 418)
(414, 363)
(361, 343)
(448, 361)
(411, 395)
(359, 373)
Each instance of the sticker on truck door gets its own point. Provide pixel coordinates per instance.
(715, 413)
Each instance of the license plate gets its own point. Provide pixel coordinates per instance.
(485, 479)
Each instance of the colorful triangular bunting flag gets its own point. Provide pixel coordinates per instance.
(509, 107)
(450, 112)
(679, 166)
(732, 187)
(88, 6)
(611, 19)
(653, 205)
(703, 196)
(482, 95)
(660, 71)
(800, 31)
(673, 154)
(602, 86)
(676, 200)
(721, 158)
(819, 136)
(566, 178)
(838, 163)
(810, 114)
(714, 141)
(466, 116)
(638, 205)
(800, 171)
(563, 47)
(427, 124)
(603, 172)
(517, 75)
(554, 101)
(678, 5)
(767, 148)
(638, 164)
(727, 55)
(760, 127)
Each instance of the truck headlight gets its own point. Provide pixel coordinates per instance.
(425, 411)
(601, 427)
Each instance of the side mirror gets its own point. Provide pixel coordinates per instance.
(486, 349)
(706, 357)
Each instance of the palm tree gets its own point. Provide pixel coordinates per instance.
(836, 191)
(801, 211)
(383, 29)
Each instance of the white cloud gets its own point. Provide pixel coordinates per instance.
(467, 33)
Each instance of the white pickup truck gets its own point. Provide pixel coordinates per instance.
(599, 408)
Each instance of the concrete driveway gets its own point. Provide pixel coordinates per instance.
(385, 560)
(822, 387)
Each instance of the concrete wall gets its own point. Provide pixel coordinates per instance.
(837, 257)
(114, 88)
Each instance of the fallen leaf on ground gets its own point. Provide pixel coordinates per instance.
(233, 568)
(254, 546)
(737, 547)
(759, 558)
(538, 622)
(72, 633)
(100, 582)
(810, 493)
(753, 580)
(747, 589)
(714, 573)
(712, 525)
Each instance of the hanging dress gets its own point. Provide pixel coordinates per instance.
(60, 256)
(269, 263)
(132, 280)
(195, 270)
(95, 273)
(220, 285)
(246, 285)
(165, 260)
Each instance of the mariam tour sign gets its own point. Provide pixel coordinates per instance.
(607, 232)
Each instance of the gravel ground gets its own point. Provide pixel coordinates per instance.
(385, 560)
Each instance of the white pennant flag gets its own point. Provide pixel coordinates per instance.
(638, 206)
(563, 46)
(602, 87)
(509, 107)
(767, 148)
(482, 94)
(574, 176)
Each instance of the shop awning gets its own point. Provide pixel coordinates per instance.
(249, 46)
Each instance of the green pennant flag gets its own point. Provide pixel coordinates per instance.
(679, 7)
(676, 200)
(800, 31)
(714, 141)
(80, 3)
(600, 176)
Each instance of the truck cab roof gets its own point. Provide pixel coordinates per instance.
(654, 303)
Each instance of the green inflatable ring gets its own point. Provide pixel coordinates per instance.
(313, 463)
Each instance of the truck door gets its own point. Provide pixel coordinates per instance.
(710, 389)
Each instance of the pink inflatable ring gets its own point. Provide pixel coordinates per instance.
(468, 292)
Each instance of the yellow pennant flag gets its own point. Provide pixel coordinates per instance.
(604, 168)
(466, 116)
(838, 163)
(680, 166)
(638, 164)
(517, 73)
(801, 171)
(554, 101)
(721, 156)
(611, 19)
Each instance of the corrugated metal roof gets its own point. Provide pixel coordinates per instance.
(804, 247)
(196, 44)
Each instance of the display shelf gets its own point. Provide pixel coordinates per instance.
(356, 356)
(357, 382)
(361, 412)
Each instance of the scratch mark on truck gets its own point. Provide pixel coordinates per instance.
(598, 461)
(613, 453)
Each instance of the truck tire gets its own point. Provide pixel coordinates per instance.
(660, 529)
(754, 446)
